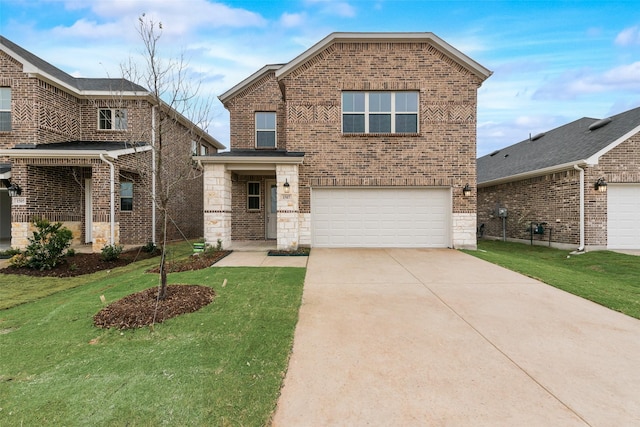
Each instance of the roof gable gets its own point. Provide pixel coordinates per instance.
(582, 141)
(34, 65)
(448, 50)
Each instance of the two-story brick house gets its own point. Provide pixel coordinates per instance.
(81, 151)
(363, 140)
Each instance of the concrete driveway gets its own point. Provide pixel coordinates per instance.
(412, 337)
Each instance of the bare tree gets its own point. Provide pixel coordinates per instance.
(179, 115)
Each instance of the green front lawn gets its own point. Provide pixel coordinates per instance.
(607, 278)
(222, 365)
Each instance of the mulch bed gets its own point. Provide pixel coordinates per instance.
(297, 252)
(194, 262)
(143, 308)
(139, 309)
(81, 263)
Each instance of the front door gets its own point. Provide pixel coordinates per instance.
(88, 212)
(272, 210)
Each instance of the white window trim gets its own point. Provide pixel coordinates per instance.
(274, 130)
(393, 112)
(258, 196)
(113, 119)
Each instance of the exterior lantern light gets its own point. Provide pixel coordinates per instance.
(600, 185)
(466, 191)
(286, 186)
(14, 190)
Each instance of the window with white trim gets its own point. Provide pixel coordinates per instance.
(253, 196)
(266, 129)
(126, 196)
(5, 108)
(380, 112)
(112, 118)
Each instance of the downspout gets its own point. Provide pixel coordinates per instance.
(112, 190)
(153, 174)
(578, 168)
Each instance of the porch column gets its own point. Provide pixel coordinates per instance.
(288, 207)
(217, 205)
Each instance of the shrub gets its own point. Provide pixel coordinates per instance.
(19, 260)
(150, 247)
(9, 253)
(111, 252)
(46, 247)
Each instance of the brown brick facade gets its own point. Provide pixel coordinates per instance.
(309, 119)
(43, 113)
(555, 199)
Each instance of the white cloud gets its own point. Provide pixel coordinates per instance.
(334, 7)
(628, 36)
(289, 20)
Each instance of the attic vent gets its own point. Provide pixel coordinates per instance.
(537, 136)
(599, 123)
(494, 153)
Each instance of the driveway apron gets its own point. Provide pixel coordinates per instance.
(420, 337)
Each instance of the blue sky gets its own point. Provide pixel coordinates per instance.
(553, 61)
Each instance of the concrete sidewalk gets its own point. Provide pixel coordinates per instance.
(411, 337)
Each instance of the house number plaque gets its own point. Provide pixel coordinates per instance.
(18, 201)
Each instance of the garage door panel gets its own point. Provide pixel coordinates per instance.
(358, 217)
(623, 216)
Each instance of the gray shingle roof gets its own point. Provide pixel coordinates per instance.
(82, 145)
(81, 84)
(568, 143)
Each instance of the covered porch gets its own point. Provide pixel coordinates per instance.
(252, 196)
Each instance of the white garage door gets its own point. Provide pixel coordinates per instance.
(623, 216)
(381, 217)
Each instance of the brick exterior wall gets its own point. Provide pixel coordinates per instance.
(309, 120)
(555, 199)
(54, 188)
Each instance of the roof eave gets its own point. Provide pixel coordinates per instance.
(30, 153)
(534, 173)
(297, 160)
(594, 158)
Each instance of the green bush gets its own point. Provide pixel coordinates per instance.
(111, 252)
(46, 247)
(150, 247)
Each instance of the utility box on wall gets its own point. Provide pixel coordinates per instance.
(502, 212)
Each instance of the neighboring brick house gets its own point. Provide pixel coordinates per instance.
(581, 179)
(364, 140)
(80, 150)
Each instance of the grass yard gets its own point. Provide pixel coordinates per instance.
(222, 365)
(607, 278)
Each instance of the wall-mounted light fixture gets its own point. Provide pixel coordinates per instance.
(600, 185)
(466, 191)
(286, 186)
(14, 190)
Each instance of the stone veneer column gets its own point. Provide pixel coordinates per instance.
(217, 205)
(288, 208)
(464, 231)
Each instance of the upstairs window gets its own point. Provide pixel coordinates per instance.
(380, 112)
(126, 196)
(112, 119)
(5, 108)
(266, 130)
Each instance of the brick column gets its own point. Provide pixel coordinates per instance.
(288, 207)
(217, 205)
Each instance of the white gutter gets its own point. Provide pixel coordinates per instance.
(578, 168)
(153, 174)
(30, 153)
(112, 185)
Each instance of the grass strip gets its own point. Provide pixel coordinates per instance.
(222, 365)
(608, 278)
